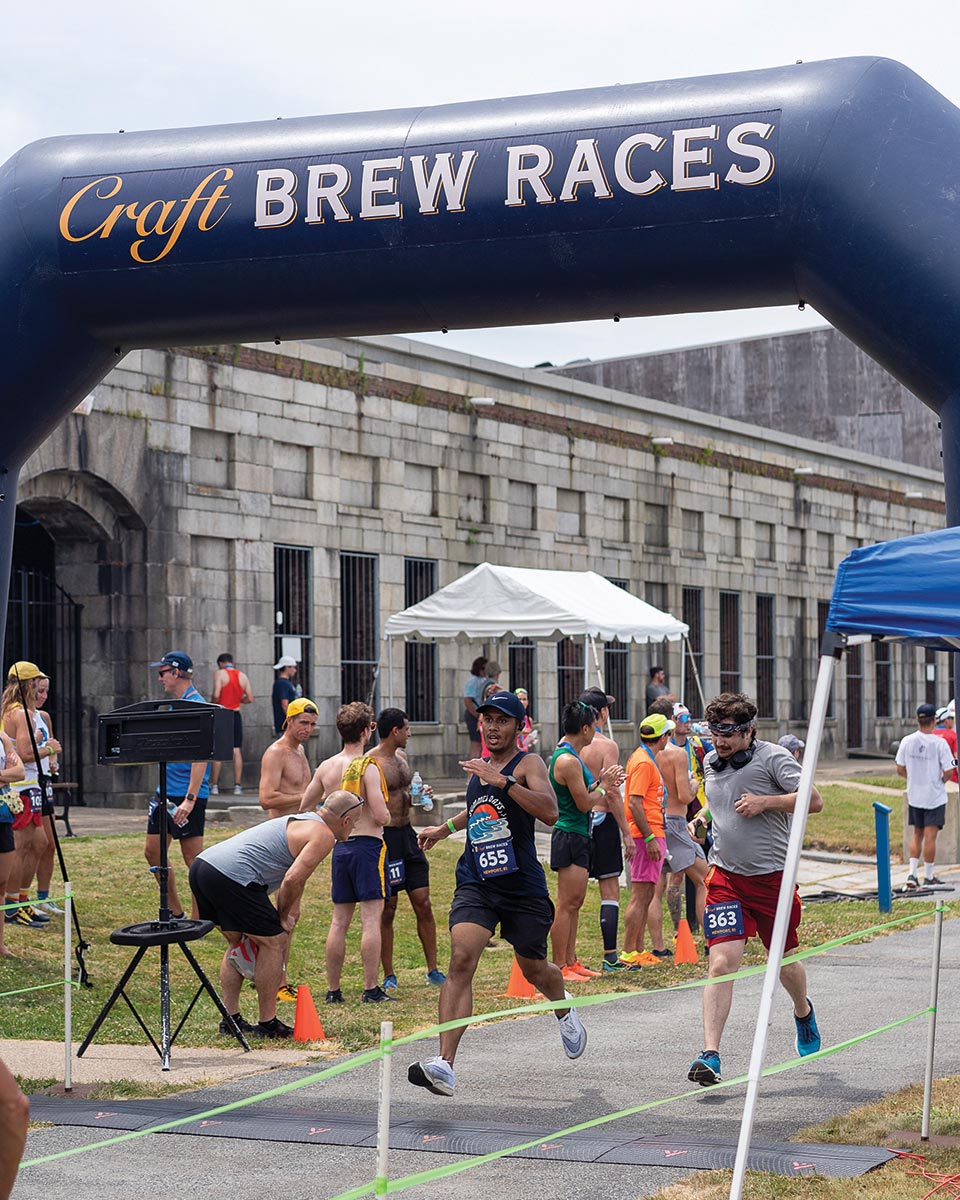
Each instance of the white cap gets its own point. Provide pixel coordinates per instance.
(285, 660)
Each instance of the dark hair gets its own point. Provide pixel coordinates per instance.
(353, 719)
(730, 706)
(663, 706)
(389, 720)
(575, 716)
(224, 658)
(478, 666)
(655, 671)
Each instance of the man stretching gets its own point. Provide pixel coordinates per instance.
(358, 871)
(499, 882)
(751, 790)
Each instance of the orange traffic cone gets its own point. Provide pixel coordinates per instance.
(519, 987)
(686, 951)
(306, 1024)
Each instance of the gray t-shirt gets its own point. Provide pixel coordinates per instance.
(259, 856)
(751, 845)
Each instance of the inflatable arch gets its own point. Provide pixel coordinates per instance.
(835, 184)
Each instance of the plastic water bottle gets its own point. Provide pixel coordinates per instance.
(417, 796)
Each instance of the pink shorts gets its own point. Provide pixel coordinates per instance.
(643, 869)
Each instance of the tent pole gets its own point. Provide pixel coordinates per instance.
(601, 684)
(788, 883)
(932, 1027)
(390, 669)
(696, 674)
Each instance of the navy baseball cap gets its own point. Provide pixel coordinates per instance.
(175, 658)
(505, 702)
(926, 710)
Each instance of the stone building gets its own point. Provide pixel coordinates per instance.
(261, 499)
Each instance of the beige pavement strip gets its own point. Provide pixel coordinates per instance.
(189, 1065)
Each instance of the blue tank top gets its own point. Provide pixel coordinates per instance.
(491, 814)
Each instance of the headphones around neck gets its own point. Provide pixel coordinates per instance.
(738, 760)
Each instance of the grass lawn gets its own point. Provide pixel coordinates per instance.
(893, 780)
(846, 824)
(113, 888)
(870, 1126)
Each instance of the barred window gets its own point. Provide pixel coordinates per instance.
(692, 608)
(420, 658)
(766, 657)
(522, 668)
(883, 678)
(569, 672)
(293, 606)
(797, 652)
(854, 664)
(729, 641)
(616, 668)
(359, 633)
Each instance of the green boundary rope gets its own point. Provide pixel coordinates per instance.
(21, 903)
(39, 987)
(369, 1056)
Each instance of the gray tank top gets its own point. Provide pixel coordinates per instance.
(259, 855)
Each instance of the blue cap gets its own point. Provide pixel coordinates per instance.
(175, 658)
(505, 702)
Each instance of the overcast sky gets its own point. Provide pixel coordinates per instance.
(84, 68)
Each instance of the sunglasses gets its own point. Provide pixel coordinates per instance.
(164, 670)
(725, 728)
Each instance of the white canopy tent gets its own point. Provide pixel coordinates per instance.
(491, 602)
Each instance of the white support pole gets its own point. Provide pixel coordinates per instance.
(600, 683)
(67, 988)
(818, 713)
(696, 674)
(390, 671)
(587, 642)
(932, 1027)
(383, 1114)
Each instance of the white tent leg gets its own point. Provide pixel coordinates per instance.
(932, 1027)
(771, 979)
(696, 674)
(600, 683)
(390, 671)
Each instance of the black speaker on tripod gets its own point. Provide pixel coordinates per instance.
(161, 732)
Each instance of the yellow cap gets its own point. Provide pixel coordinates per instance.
(26, 670)
(298, 706)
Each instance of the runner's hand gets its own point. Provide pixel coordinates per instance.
(750, 804)
(181, 816)
(428, 838)
(629, 849)
(483, 771)
(613, 775)
(654, 853)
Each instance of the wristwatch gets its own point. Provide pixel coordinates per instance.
(190, 796)
(511, 780)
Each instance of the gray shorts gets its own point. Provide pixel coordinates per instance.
(681, 847)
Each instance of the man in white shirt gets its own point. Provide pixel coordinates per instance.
(926, 762)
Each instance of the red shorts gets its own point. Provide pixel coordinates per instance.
(32, 813)
(758, 896)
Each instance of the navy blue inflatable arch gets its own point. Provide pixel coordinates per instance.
(834, 183)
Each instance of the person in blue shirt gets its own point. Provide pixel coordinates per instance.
(188, 784)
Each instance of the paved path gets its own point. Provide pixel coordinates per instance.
(515, 1072)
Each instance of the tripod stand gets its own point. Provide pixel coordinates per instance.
(164, 933)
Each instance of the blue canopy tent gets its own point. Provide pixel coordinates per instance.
(902, 590)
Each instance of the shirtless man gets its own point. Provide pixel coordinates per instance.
(284, 770)
(610, 831)
(407, 866)
(358, 874)
(686, 855)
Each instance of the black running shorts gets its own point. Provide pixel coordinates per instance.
(524, 920)
(607, 850)
(234, 907)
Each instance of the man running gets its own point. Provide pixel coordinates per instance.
(612, 840)
(499, 882)
(232, 881)
(284, 770)
(751, 790)
(358, 871)
(407, 866)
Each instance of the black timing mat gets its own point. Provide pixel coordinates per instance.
(472, 1137)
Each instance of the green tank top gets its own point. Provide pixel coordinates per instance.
(571, 819)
